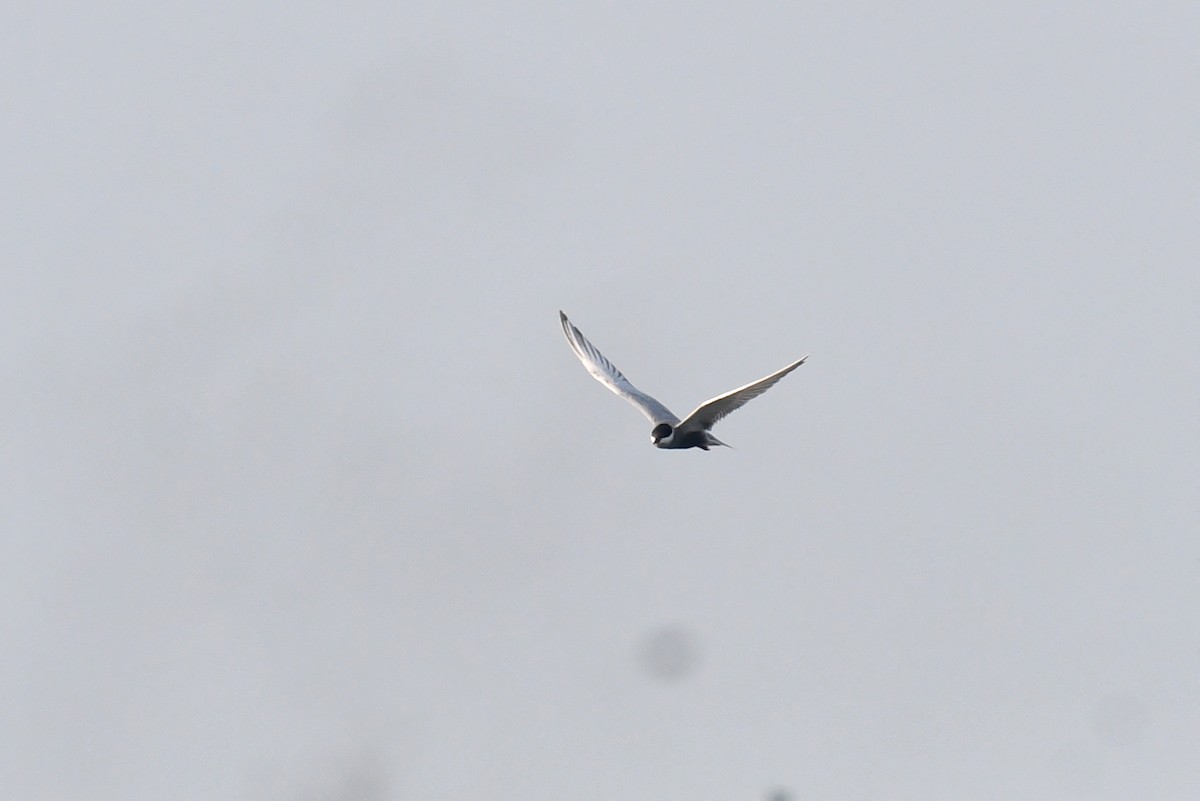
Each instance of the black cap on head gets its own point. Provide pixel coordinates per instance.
(661, 431)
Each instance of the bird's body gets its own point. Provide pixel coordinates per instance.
(679, 440)
(695, 430)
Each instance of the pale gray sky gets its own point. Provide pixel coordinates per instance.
(306, 497)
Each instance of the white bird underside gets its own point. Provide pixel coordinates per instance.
(700, 421)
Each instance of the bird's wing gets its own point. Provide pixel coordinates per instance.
(604, 372)
(709, 412)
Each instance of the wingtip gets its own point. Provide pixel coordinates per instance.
(569, 330)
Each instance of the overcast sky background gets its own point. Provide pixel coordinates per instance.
(306, 497)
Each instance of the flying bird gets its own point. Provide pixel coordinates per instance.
(695, 430)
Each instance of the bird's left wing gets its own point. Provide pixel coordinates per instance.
(708, 413)
(603, 371)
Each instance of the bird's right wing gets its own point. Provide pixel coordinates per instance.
(603, 371)
(709, 412)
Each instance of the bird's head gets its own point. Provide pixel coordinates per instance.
(661, 432)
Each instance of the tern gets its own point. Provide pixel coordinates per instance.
(695, 430)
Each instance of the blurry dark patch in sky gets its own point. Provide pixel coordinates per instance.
(359, 778)
(670, 653)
